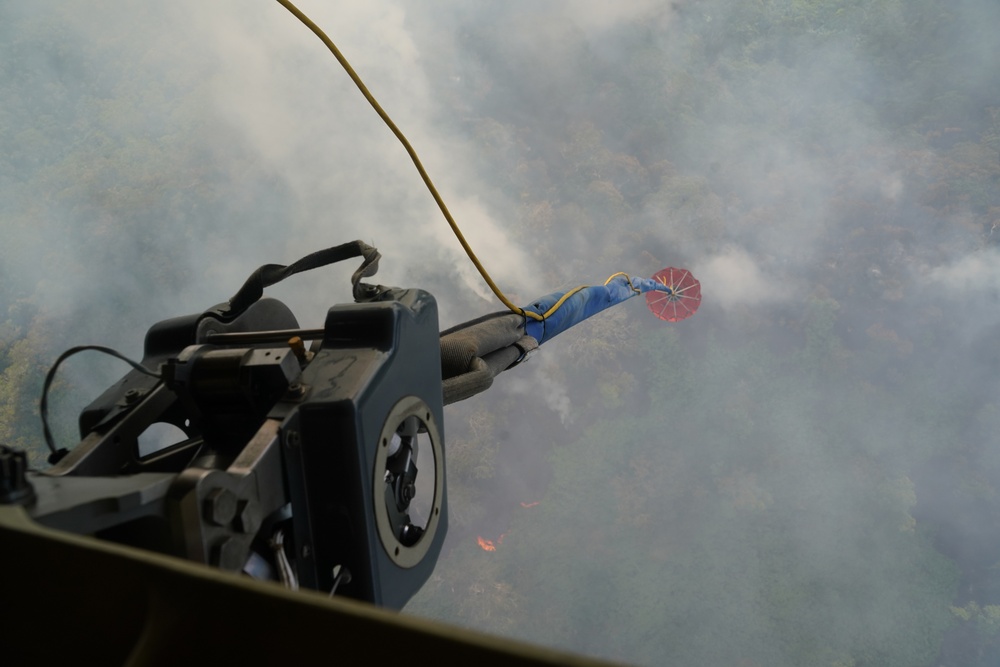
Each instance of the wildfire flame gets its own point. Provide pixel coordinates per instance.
(530, 504)
(487, 545)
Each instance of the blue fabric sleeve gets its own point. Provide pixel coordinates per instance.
(588, 301)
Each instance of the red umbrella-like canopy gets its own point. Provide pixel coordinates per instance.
(682, 298)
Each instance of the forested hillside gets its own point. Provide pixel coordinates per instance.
(805, 473)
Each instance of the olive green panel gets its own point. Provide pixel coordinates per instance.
(67, 599)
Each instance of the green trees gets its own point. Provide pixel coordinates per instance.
(755, 486)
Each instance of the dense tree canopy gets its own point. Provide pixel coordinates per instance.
(806, 473)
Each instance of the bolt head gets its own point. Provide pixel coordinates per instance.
(247, 517)
(228, 554)
(220, 507)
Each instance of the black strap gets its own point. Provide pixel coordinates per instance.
(270, 274)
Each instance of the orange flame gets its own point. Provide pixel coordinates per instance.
(530, 504)
(487, 545)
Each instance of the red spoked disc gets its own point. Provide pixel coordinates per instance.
(682, 299)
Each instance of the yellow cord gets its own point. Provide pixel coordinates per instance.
(627, 277)
(427, 179)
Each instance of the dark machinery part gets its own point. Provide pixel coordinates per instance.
(274, 438)
(14, 485)
(377, 366)
(322, 467)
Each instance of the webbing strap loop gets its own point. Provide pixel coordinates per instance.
(270, 274)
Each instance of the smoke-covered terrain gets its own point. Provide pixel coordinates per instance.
(805, 473)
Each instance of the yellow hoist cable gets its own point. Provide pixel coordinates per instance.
(424, 175)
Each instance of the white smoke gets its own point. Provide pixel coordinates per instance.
(733, 277)
(978, 272)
